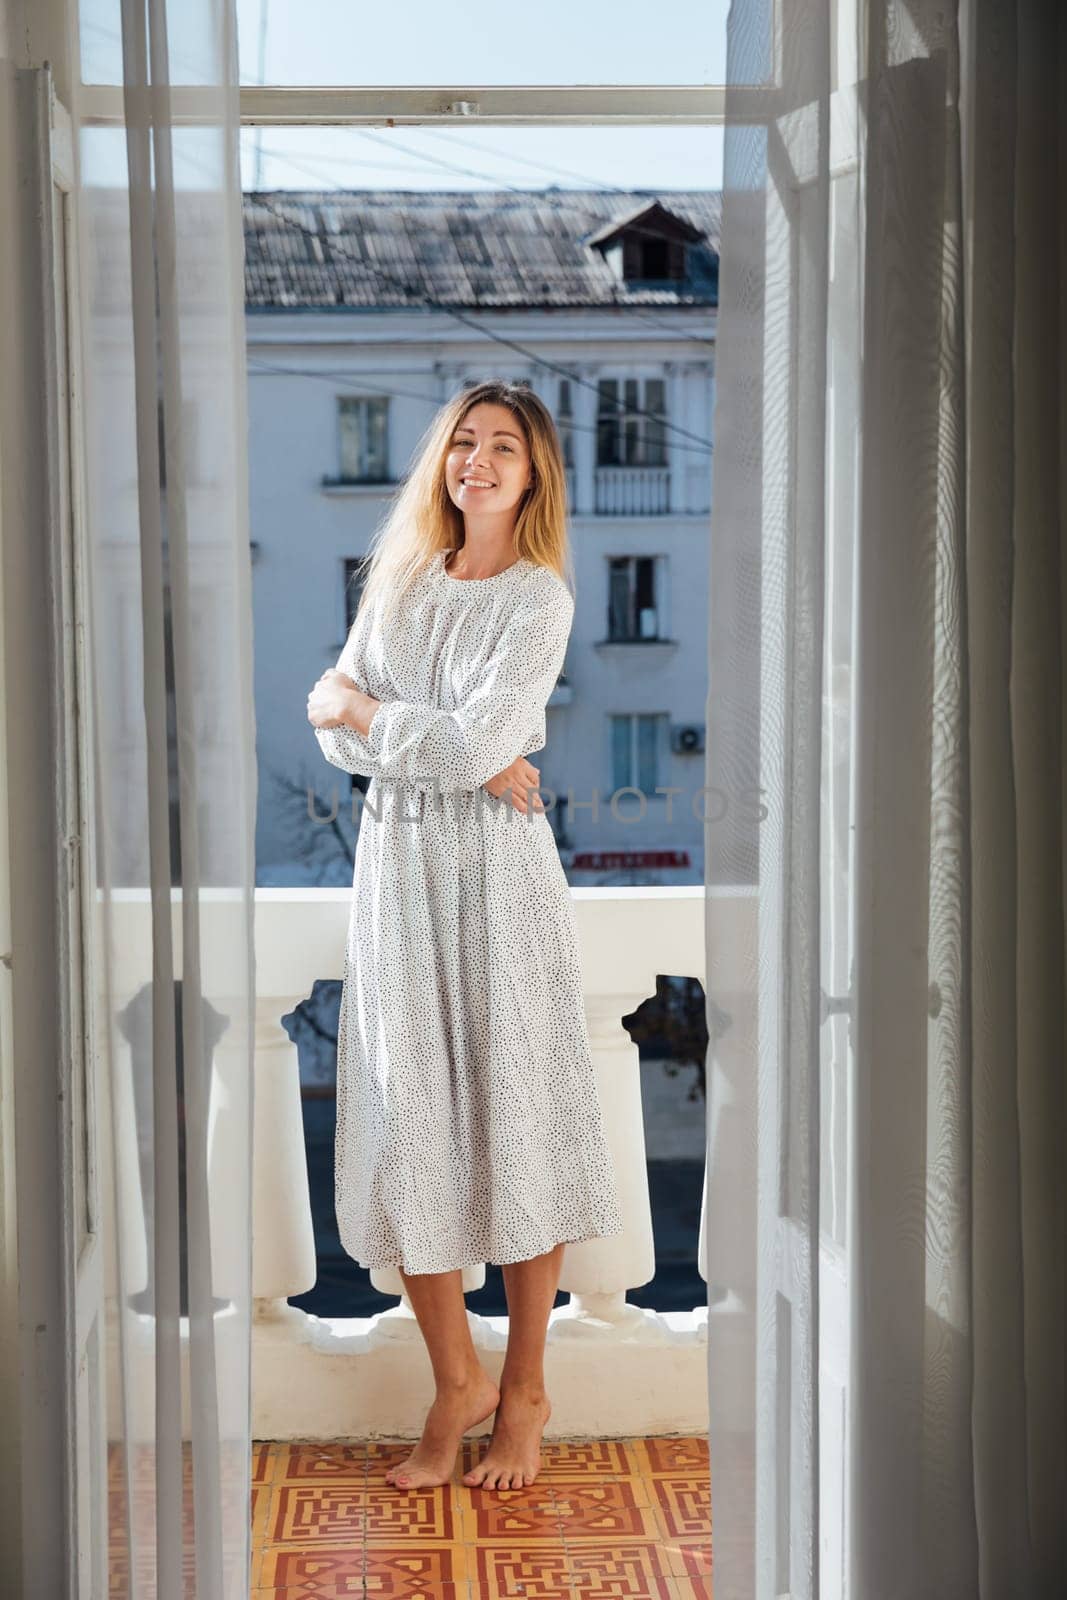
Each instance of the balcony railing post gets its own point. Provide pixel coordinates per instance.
(597, 1272)
(283, 1240)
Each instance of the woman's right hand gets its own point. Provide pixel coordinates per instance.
(521, 777)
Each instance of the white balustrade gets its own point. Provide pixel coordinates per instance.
(632, 491)
(613, 1368)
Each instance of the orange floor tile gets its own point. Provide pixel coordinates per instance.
(613, 1519)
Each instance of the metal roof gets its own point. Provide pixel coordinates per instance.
(471, 248)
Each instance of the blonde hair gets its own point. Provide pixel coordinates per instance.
(422, 520)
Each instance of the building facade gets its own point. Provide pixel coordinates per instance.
(365, 311)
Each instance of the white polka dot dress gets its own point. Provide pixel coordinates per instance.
(468, 1122)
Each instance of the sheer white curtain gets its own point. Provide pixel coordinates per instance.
(887, 1146)
(162, 312)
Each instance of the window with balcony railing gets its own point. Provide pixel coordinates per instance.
(631, 423)
(632, 476)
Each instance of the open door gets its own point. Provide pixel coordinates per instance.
(80, 1123)
(60, 1257)
(807, 712)
(781, 711)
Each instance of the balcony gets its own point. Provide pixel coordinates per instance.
(614, 1368)
(628, 1384)
(632, 491)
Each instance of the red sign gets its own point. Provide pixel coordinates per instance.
(605, 860)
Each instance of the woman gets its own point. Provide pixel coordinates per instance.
(468, 1124)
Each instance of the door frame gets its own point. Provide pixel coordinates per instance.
(55, 1454)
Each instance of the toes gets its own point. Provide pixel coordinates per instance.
(486, 1476)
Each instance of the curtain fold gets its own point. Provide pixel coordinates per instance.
(887, 1129)
(170, 635)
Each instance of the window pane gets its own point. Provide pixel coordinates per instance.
(646, 582)
(631, 423)
(377, 461)
(563, 422)
(607, 423)
(620, 608)
(350, 422)
(655, 432)
(646, 753)
(334, 41)
(364, 438)
(620, 752)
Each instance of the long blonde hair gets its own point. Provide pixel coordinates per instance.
(423, 520)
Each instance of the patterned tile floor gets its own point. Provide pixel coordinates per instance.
(615, 1519)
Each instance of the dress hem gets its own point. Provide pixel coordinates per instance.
(482, 1260)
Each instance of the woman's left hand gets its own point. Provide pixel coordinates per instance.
(330, 700)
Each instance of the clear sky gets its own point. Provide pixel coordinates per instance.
(434, 42)
(482, 158)
(420, 42)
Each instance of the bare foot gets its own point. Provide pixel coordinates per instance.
(454, 1410)
(513, 1457)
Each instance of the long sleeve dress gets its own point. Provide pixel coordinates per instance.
(468, 1122)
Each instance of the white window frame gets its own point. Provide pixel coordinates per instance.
(638, 423)
(350, 402)
(659, 592)
(560, 105)
(662, 748)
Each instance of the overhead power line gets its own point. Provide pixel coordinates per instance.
(348, 379)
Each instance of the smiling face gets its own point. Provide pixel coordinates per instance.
(488, 465)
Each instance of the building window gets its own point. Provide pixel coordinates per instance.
(648, 258)
(633, 609)
(353, 589)
(363, 426)
(652, 245)
(565, 422)
(636, 741)
(630, 424)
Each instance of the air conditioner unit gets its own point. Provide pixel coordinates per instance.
(687, 738)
